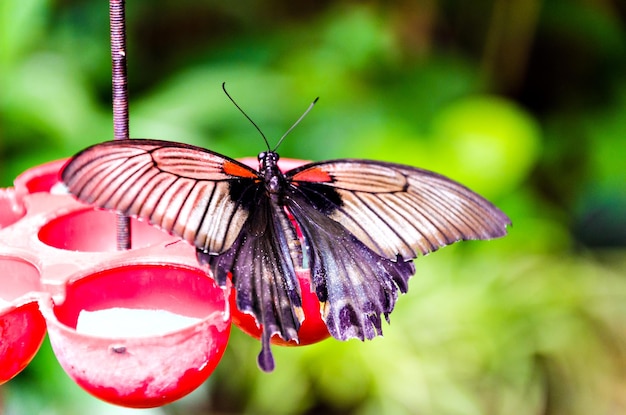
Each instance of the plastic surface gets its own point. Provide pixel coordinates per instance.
(22, 328)
(124, 363)
(58, 261)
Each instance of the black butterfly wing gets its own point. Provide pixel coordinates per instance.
(364, 221)
(188, 191)
(355, 284)
(262, 261)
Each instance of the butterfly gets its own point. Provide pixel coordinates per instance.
(356, 224)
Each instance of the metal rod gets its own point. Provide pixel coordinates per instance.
(117, 17)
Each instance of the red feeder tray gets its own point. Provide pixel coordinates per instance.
(22, 328)
(139, 335)
(59, 256)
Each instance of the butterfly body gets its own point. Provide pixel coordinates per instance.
(356, 224)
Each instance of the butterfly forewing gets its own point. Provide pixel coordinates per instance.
(395, 209)
(186, 190)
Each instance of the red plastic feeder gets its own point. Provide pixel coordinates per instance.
(11, 208)
(90, 230)
(22, 328)
(137, 328)
(140, 335)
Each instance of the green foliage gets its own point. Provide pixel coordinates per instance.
(533, 323)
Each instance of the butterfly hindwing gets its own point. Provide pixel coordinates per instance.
(261, 262)
(354, 283)
(188, 191)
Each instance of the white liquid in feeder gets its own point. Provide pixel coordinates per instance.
(59, 189)
(130, 322)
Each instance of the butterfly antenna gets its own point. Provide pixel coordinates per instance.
(297, 122)
(246, 115)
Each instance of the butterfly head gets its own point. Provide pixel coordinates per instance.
(268, 159)
(268, 167)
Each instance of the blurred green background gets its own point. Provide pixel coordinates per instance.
(522, 100)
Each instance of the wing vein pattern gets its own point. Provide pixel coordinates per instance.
(399, 210)
(181, 188)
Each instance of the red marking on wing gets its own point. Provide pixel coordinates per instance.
(237, 170)
(314, 174)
